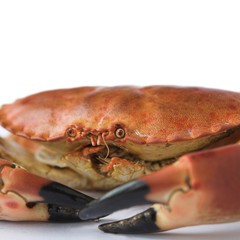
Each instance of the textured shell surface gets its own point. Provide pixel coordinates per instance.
(151, 114)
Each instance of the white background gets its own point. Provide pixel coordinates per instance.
(61, 44)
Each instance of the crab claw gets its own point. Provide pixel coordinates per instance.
(200, 188)
(134, 193)
(24, 196)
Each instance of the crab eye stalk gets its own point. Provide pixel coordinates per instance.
(71, 132)
(120, 133)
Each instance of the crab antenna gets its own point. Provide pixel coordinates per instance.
(108, 151)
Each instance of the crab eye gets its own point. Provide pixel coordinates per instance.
(120, 133)
(71, 132)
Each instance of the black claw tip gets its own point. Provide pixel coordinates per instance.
(130, 194)
(58, 194)
(62, 214)
(144, 222)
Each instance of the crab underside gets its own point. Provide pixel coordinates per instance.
(96, 167)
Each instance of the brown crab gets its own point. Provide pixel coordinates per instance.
(99, 138)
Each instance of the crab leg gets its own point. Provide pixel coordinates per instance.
(200, 188)
(24, 196)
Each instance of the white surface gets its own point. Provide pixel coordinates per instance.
(40, 231)
(57, 44)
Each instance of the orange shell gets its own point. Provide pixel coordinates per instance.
(150, 114)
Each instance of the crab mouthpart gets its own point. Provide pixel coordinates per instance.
(107, 160)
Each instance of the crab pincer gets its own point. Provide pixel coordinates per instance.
(200, 188)
(25, 196)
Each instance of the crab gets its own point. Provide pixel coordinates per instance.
(174, 147)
